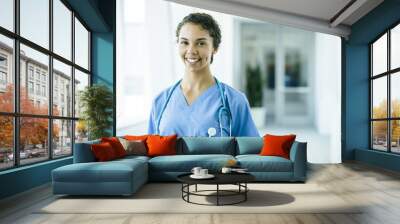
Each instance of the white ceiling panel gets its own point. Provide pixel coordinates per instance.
(326, 16)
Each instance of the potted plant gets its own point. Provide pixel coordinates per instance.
(96, 102)
(254, 92)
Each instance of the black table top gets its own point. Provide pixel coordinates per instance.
(220, 178)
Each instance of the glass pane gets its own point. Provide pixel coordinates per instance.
(395, 47)
(33, 139)
(35, 21)
(81, 131)
(6, 142)
(62, 29)
(34, 82)
(395, 136)
(294, 76)
(62, 89)
(379, 135)
(379, 55)
(81, 81)
(62, 138)
(6, 74)
(81, 45)
(7, 14)
(379, 98)
(395, 94)
(296, 104)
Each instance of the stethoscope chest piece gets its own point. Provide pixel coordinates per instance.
(212, 132)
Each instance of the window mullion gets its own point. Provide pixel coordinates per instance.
(389, 106)
(50, 77)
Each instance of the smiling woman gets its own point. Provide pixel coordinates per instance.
(198, 104)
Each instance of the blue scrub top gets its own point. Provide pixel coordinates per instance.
(194, 120)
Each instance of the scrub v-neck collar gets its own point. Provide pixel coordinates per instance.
(204, 93)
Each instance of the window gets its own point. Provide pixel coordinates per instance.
(38, 89)
(385, 94)
(30, 87)
(7, 14)
(81, 45)
(3, 61)
(30, 72)
(43, 90)
(37, 75)
(55, 127)
(3, 78)
(34, 21)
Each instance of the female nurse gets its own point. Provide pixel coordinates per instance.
(199, 104)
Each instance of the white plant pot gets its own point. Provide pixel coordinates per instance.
(258, 114)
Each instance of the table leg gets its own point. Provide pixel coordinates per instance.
(196, 188)
(245, 193)
(217, 194)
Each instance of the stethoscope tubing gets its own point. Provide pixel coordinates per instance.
(224, 107)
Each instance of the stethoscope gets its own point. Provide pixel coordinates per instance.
(224, 110)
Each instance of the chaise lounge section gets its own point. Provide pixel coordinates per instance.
(125, 176)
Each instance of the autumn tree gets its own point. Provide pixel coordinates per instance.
(33, 131)
(380, 127)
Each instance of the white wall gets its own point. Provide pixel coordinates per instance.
(328, 92)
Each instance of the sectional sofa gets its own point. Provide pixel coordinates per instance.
(125, 176)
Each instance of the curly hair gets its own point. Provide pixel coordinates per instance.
(207, 22)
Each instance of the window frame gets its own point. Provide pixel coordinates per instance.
(16, 114)
(388, 74)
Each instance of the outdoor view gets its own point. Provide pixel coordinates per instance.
(35, 119)
(380, 139)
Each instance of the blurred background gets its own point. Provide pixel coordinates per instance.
(290, 76)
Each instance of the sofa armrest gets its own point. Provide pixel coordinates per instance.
(83, 152)
(298, 155)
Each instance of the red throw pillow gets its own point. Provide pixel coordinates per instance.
(103, 152)
(161, 145)
(277, 145)
(116, 145)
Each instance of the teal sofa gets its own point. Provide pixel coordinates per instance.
(125, 176)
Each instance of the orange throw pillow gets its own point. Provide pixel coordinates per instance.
(103, 152)
(116, 145)
(161, 145)
(277, 145)
(136, 137)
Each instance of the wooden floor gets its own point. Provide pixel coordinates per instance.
(377, 188)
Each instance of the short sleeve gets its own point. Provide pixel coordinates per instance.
(152, 121)
(243, 124)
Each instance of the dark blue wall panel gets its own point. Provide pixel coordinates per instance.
(24, 178)
(356, 84)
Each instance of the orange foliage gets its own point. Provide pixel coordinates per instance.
(33, 130)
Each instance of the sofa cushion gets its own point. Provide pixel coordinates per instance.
(257, 163)
(206, 145)
(111, 171)
(249, 145)
(83, 152)
(185, 163)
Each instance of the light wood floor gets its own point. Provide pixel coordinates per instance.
(377, 188)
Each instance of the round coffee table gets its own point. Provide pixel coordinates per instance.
(238, 179)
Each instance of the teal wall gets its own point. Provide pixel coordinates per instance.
(103, 63)
(356, 85)
(24, 178)
(99, 16)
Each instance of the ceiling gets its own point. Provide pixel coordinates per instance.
(326, 16)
